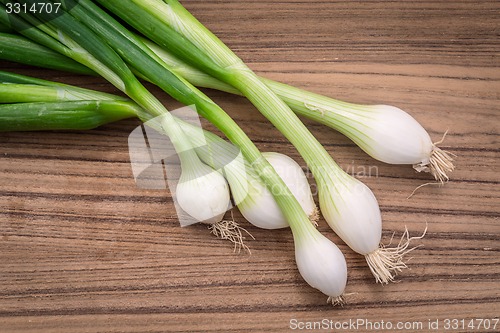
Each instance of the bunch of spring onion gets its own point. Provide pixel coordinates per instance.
(89, 36)
(348, 205)
(393, 261)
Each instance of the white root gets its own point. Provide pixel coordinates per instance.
(336, 301)
(440, 163)
(386, 262)
(230, 230)
(314, 217)
(420, 186)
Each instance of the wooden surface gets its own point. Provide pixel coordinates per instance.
(82, 249)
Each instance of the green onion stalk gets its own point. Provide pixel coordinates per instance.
(348, 205)
(5, 28)
(328, 270)
(18, 49)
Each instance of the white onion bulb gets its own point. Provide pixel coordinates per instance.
(256, 202)
(321, 264)
(203, 193)
(388, 134)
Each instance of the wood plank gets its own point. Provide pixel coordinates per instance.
(82, 249)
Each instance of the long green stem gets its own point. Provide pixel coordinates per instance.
(23, 93)
(18, 49)
(73, 115)
(5, 28)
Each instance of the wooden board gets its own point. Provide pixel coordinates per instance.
(82, 249)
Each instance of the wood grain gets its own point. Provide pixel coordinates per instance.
(82, 249)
